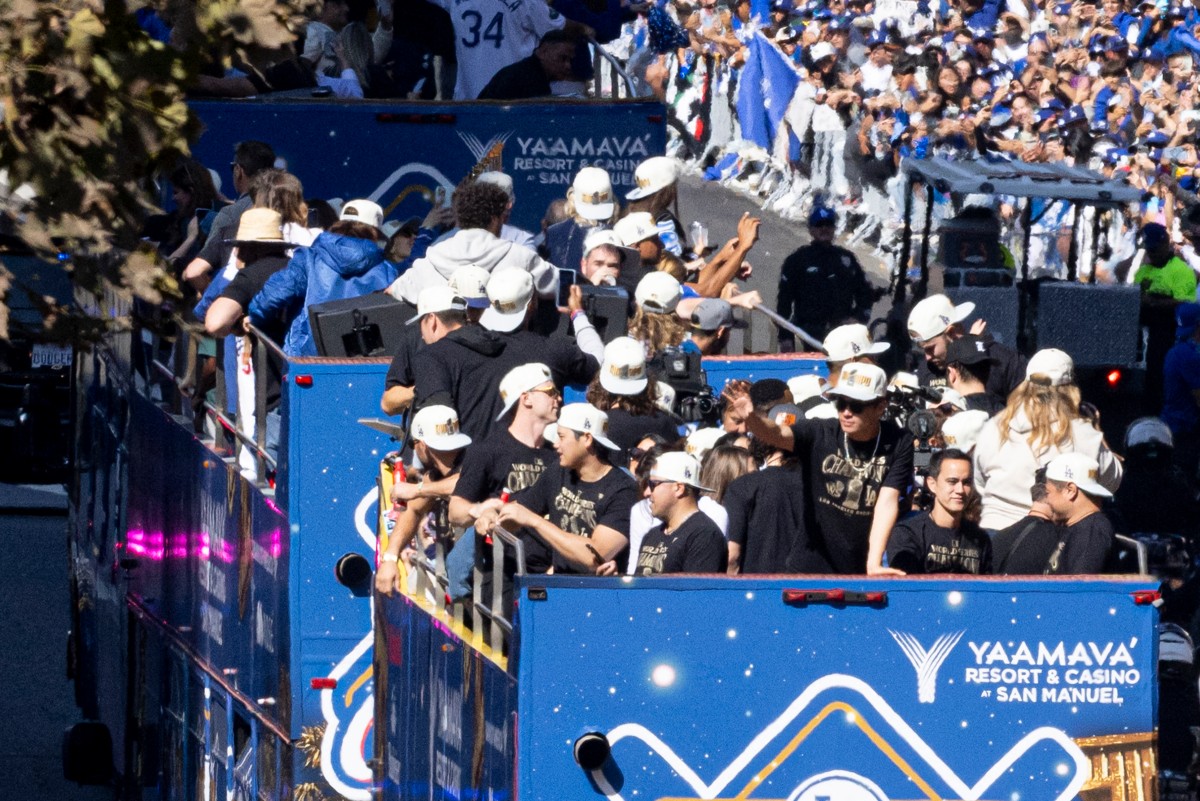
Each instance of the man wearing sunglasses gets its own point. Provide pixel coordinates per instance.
(857, 468)
(686, 540)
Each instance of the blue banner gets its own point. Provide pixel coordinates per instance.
(400, 155)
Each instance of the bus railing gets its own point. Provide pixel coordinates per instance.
(429, 580)
(609, 77)
(178, 372)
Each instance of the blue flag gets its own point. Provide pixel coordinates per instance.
(765, 88)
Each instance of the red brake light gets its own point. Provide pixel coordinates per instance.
(305, 381)
(323, 684)
(1113, 377)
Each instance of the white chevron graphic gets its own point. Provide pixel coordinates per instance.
(478, 148)
(926, 663)
(906, 733)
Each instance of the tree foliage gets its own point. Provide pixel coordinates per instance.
(94, 108)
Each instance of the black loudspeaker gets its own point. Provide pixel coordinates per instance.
(370, 325)
(970, 244)
(999, 305)
(1096, 323)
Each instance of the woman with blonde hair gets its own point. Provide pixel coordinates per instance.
(1041, 420)
(655, 322)
(590, 207)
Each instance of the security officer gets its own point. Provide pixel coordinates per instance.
(821, 285)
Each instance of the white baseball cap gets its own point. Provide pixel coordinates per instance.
(658, 292)
(592, 194)
(702, 440)
(861, 382)
(636, 227)
(1146, 430)
(470, 284)
(519, 380)
(848, 342)
(950, 397)
(606, 237)
(653, 174)
(819, 51)
(807, 386)
(680, 467)
(935, 314)
(437, 427)
(624, 369)
(665, 397)
(961, 430)
(499, 179)
(435, 299)
(1051, 366)
(509, 292)
(1080, 470)
(364, 211)
(584, 418)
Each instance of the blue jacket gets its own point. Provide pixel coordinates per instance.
(333, 268)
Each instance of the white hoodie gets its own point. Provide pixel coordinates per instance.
(477, 247)
(1004, 470)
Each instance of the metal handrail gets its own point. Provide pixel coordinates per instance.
(222, 419)
(616, 70)
(186, 353)
(787, 325)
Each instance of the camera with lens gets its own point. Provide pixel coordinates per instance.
(607, 307)
(695, 401)
(906, 405)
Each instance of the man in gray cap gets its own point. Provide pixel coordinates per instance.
(711, 322)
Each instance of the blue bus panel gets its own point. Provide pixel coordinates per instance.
(756, 688)
(400, 154)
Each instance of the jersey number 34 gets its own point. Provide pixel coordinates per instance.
(494, 32)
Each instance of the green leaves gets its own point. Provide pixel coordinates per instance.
(94, 109)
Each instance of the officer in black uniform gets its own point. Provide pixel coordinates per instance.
(822, 285)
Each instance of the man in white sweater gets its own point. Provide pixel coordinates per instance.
(480, 209)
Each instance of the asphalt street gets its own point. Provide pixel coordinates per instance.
(720, 208)
(36, 703)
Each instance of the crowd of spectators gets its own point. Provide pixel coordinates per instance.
(813, 475)
(805, 476)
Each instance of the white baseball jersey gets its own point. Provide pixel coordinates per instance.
(491, 34)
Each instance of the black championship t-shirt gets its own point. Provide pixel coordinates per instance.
(1089, 546)
(578, 507)
(1026, 547)
(697, 546)
(501, 462)
(918, 545)
(844, 479)
(766, 519)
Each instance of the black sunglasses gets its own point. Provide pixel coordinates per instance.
(856, 407)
